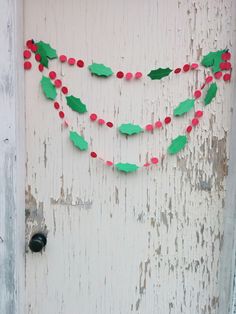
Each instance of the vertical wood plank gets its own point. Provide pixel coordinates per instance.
(12, 159)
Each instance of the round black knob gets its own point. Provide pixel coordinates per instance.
(37, 242)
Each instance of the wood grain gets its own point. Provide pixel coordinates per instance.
(145, 243)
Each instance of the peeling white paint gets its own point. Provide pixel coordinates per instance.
(149, 242)
(11, 159)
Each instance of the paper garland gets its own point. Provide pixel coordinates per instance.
(216, 60)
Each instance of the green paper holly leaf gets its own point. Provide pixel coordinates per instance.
(76, 104)
(48, 88)
(183, 107)
(211, 93)
(130, 129)
(213, 59)
(100, 69)
(177, 144)
(159, 73)
(78, 141)
(126, 167)
(46, 52)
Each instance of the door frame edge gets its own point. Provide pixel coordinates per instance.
(12, 159)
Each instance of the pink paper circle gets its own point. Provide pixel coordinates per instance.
(158, 124)
(149, 127)
(138, 75)
(101, 121)
(128, 76)
(154, 160)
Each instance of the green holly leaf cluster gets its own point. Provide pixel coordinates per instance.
(213, 60)
(46, 52)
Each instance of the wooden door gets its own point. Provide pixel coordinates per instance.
(144, 242)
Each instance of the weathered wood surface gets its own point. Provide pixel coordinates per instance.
(12, 159)
(148, 242)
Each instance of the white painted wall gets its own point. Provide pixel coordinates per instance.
(149, 242)
(12, 159)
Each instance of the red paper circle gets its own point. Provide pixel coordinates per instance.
(37, 57)
(63, 58)
(209, 79)
(40, 67)
(34, 48)
(218, 75)
(71, 61)
(177, 70)
(80, 63)
(109, 124)
(189, 129)
(29, 43)
(167, 120)
(58, 83)
(228, 66)
(197, 94)
(186, 67)
(64, 90)
(194, 66)
(52, 75)
(27, 65)
(120, 74)
(93, 154)
(56, 105)
(226, 56)
(199, 113)
(195, 121)
(226, 77)
(93, 117)
(27, 54)
(61, 114)
(223, 65)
